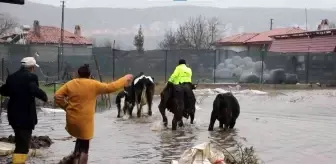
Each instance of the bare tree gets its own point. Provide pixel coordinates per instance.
(7, 24)
(169, 41)
(196, 33)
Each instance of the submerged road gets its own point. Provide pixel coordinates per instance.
(293, 127)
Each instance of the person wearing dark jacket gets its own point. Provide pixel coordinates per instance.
(22, 88)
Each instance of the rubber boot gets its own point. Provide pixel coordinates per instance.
(19, 158)
(82, 159)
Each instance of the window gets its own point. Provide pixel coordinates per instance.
(318, 57)
(301, 58)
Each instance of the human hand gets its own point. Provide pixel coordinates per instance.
(129, 78)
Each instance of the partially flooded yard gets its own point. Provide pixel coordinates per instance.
(292, 127)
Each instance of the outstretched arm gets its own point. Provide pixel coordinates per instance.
(104, 88)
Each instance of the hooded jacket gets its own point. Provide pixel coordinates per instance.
(181, 74)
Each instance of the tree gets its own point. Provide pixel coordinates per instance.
(139, 40)
(7, 24)
(196, 33)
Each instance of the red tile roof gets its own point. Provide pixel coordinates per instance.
(52, 35)
(256, 38)
(236, 39)
(316, 44)
(264, 36)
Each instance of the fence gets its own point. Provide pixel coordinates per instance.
(209, 66)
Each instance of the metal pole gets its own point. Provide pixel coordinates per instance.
(307, 65)
(262, 65)
(54, 93)
(214, 68)
(113, 58)
(271, 27)
(58, 62)
(113, 62)
(306, 19)
(62, 37)
(3, 79)
(166, 64)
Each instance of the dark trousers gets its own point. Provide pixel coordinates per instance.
(82, 146)
(22, 140)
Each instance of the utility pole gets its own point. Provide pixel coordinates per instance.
(306, 19)
(61, 48)
(271, 27)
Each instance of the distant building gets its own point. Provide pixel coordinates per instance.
(314, 50)
(252, 41)
(321, 41)
(45, 40)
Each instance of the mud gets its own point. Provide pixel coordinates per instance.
(36, 142)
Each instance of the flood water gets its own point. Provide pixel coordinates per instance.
(293, 127)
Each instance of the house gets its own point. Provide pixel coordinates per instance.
(252, 41)
(45, 40)
(321, 41)
(312, 52)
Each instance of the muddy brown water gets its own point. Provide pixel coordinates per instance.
(293, 127)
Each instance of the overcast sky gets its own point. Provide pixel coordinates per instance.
(327, 4)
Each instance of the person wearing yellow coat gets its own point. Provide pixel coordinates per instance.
(78, 98)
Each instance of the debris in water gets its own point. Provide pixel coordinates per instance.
(36, 142)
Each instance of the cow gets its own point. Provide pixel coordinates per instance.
(174, 98)
(226, 110)
(142, 87)
(124, 96)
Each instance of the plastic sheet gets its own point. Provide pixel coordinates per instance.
(291, 78)
(249, 78)
(277, 76)
(201, 154)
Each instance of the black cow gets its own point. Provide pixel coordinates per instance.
(141, 84)
(125, 97)
(226, 110)
(175, 99)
